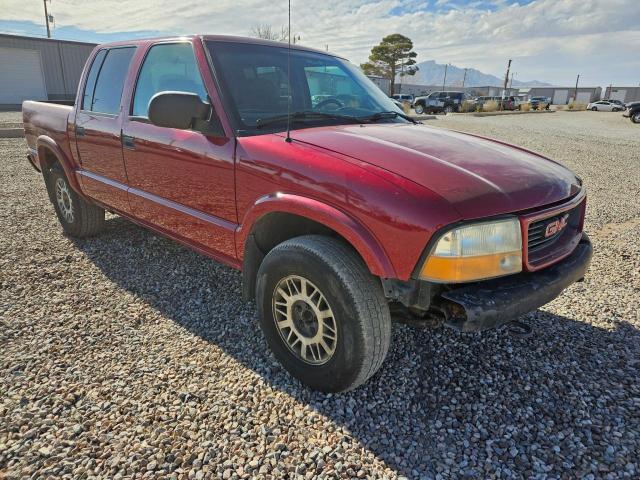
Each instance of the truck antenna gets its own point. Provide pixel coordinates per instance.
(288, 139)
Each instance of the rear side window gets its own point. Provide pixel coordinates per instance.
(91, 80)
(110, 82)
(167, 67)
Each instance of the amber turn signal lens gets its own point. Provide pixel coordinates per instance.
(467, 269)
(475, 252)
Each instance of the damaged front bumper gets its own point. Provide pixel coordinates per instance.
(491, 303)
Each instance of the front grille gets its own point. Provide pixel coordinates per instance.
(541, 247)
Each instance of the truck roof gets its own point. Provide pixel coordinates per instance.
(217, 38)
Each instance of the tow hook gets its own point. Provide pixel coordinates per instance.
(518, 329)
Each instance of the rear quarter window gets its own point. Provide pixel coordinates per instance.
(110, 82)
(90, 85)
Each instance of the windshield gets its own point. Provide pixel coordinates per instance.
(254, 83)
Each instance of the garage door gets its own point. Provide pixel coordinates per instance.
(617, 94)
(21, 76)
(584, 97)
(560, 97)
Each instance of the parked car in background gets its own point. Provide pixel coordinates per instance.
(617, 102)
(542, 103)
(632, 112)
(335, 212)
(507, 103)
(403, 97)
(440, 102)
(604, 106)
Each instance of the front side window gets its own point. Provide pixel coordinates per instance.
(167, 67)
(110, 81)
(324, 89)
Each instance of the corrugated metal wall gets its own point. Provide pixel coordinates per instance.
(628, 94)
(62, 62)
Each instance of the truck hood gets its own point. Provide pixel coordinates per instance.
(478, 176)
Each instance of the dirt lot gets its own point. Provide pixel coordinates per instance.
(128, 355)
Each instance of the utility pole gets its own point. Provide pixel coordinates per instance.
(575, 92)
(464, 79)
(444, 80)
(46, 18)
(506, 80)
(511, 81)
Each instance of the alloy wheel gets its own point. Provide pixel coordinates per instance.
(304, 320)
(63, 199)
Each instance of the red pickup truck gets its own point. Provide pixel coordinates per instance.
(341, 212)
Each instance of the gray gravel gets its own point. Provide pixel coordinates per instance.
(127, 355)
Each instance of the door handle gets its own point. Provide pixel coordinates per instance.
(80, 131)
(128, 142)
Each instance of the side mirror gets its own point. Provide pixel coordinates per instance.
(177, 110)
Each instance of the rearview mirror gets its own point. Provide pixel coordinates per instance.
(177, 110)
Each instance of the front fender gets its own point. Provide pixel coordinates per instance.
(349, 228)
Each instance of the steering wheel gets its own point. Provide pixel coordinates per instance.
(330, 101)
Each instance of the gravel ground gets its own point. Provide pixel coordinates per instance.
(10, 118)
(129, 356)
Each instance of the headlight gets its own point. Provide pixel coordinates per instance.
(475, 252)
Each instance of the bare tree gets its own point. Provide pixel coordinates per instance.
(266, 32)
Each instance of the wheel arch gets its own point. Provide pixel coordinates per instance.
(49, 153)
(277, 218)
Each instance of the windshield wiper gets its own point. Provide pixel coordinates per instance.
(386, 114)
(304, 115)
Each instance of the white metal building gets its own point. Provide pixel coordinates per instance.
(39, 68)
(624, 94)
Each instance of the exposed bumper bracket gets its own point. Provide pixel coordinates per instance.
(488, 304)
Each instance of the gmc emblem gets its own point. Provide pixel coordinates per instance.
(556, 226)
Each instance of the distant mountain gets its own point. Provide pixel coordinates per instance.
(432, 73)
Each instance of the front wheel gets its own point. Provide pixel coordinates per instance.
(77, 217)
(594, 109)
(323, 314)
(448, 109)
(635, 118)
(419, 109)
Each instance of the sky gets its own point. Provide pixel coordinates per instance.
(548, 40)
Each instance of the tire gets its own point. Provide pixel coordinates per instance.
(635, 117)
(77, 217)
(350, 299)
(448, 109)
(594, 109)
(615, 110)
(419, 109)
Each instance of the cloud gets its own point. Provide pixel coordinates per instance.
(549, 40)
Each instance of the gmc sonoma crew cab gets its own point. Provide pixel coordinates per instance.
(338, 211)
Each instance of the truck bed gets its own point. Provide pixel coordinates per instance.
(43, 118)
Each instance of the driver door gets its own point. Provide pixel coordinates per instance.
(181, 181)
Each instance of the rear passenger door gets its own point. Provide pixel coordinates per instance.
(97, 128)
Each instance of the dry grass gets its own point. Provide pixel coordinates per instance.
(490, 106)
(576, 106)
(525, 107)
(467, 106)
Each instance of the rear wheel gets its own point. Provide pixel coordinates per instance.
(419, 109)
(77, 217)
(448, 109)
(323, 314)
